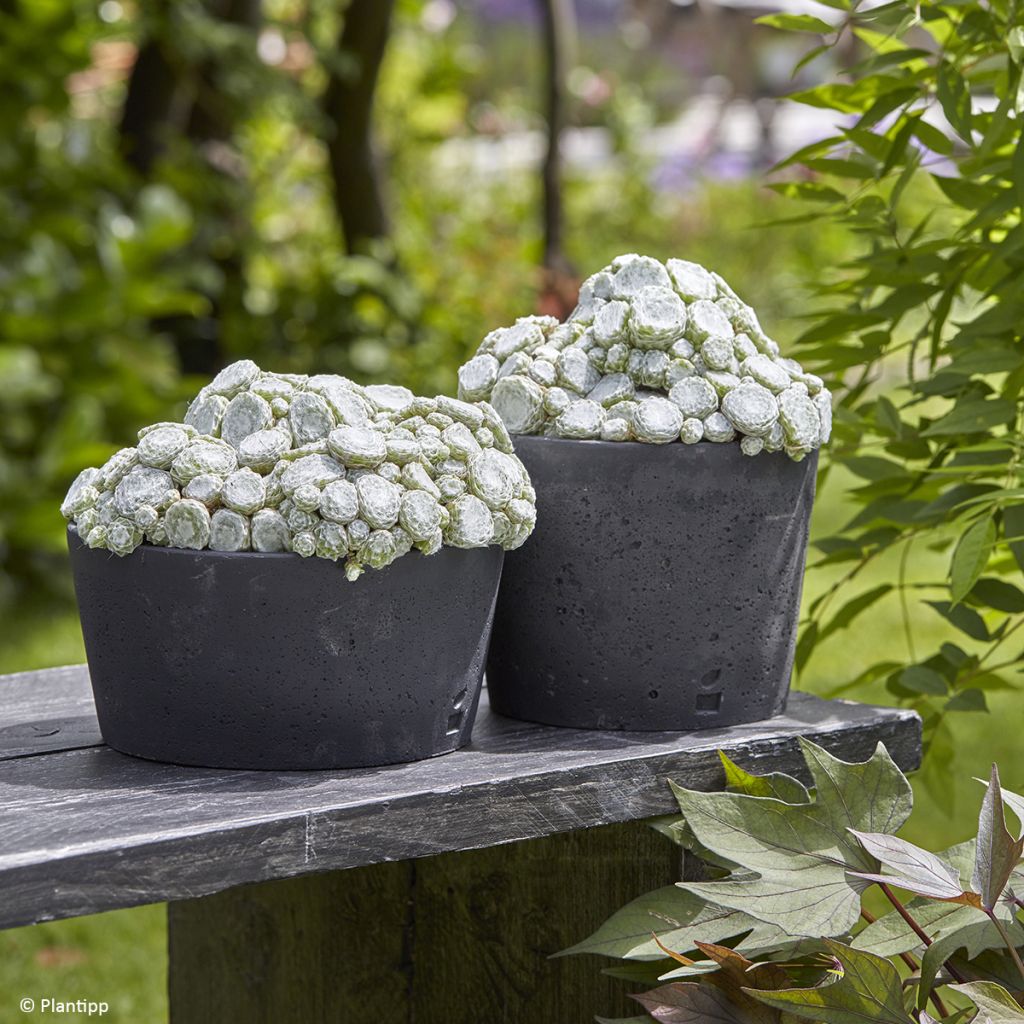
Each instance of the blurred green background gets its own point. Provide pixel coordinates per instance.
(169, 202)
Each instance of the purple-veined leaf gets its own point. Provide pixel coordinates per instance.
(866, 988)
(797, 859)
(689, 1003)
(995, 1005)
(997, 853)
(914, 869)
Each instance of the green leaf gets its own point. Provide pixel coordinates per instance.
(796, 23)
(890, 935)
(970, 557)
(805, 646)
(998, 594)
(678, 918)
(774, 785)
(1013, 528)
(971, 699)
(997, 853)
(967, 620)
(1012, 800)
(921, 679)
(975, 935)
(794, 859)
(972, 417)
(853, 608)
(968, 194)
(868, 988)
(888, 417)
(955, 99)
(872, 467)
(914, 869)
(1018, 174)
(886, 105)
(933, 137)
(995, 1005)
(1015, 42)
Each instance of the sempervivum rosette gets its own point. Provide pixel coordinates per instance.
(314, 465)
(656, 353)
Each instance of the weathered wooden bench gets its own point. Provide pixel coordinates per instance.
(431, 892)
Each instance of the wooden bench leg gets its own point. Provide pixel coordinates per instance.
(459, 938)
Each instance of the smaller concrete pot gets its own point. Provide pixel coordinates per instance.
(660, 589)
(247, 660)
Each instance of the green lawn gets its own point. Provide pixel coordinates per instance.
(120, 957)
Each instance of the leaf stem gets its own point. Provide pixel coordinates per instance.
(915, 927)
(905, 914)
(912, 962)
(904, 606)
(1006, 938)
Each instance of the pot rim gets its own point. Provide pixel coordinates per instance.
(169, 550)
(694, 449)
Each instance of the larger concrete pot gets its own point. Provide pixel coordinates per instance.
(246, 660)
(660, 590)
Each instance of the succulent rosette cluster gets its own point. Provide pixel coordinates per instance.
(654, 352)
(316, 465)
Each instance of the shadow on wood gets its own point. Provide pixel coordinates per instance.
(459, 938)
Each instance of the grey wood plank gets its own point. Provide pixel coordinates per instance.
(41, 712)
(90, 829)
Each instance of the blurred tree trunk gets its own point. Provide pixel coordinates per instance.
(348, 105)
(149, 105)
(559, 30)
(211, 128)
(166, 98)
(559, 283)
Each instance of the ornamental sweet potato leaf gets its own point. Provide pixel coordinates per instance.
(679, 918)
(775, 784)
(997, 852)
(914, 869)
(797, 859)
(995, 1005)
(865, 988)
(689, 1003)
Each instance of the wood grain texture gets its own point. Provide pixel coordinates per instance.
(458, 938)
(42, 712)
(89, 829)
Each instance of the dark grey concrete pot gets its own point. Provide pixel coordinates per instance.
(660, 590)
(245, 660)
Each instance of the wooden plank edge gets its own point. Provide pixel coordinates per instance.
(313, 842)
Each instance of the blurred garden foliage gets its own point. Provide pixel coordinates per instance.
(166, 205)
(923, 338)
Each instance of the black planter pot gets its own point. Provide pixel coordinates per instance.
(660, 589)
(246, 660)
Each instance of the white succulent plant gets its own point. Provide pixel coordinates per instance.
(655, 353)
(314, 465)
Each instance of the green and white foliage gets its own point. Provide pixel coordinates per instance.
(655, 353)
(314, 465)
(776, 933)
